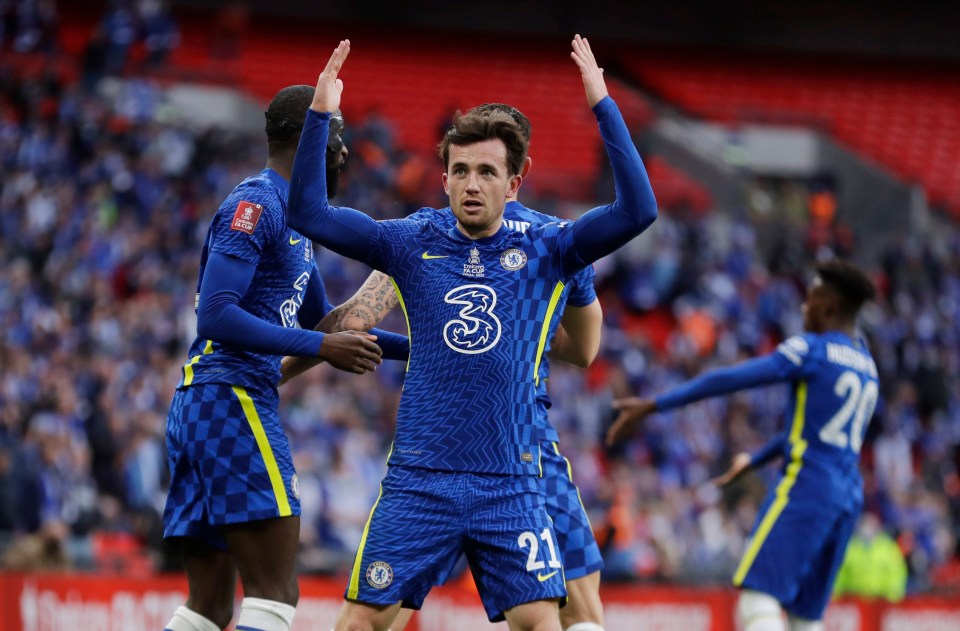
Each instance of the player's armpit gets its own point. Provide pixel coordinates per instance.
(577, 340)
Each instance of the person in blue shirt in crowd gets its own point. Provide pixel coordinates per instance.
(806, 520)
(233, 506)
(464, 469)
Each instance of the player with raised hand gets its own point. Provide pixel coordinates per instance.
(233, 505)
(463, 472)
(573, 337)
(803, 527)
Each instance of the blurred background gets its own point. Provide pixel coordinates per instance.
(775, 134)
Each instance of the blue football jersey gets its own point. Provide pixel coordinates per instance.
(831, 403)
(479, 314)
(579, 292)
(250, 225)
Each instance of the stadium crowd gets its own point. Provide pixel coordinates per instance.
(104, 201)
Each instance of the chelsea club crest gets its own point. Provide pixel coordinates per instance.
(513, 259)
(379, 574)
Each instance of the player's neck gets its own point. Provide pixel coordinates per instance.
(283, 168)
(475, 234)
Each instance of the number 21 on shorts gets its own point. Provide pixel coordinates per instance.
(534, 564)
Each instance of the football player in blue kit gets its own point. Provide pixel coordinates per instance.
(464, 468)
(806, 520)
(573, 337)
(233, 505)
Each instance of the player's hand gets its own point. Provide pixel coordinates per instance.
(591, 74)
(326, 98)
(632, 411)
(740, 464)
(352, 351)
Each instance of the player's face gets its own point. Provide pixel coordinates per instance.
(815, 306)
(478, 184)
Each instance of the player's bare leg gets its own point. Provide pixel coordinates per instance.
(402, 620)
(265, 553)
(539, 615)
(212, 581)
(357, 616)
(584, 611)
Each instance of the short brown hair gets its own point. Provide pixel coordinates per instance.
(850, 284)
(474, 127)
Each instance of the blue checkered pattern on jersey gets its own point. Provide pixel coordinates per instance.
(229, 459)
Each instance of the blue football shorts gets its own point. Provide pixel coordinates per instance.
(230, 461)
(424, 519)
(796, 549)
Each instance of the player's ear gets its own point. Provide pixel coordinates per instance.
(525, 169)
(513, 186)
(446, 187)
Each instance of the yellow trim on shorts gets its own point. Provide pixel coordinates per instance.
(403, 306)
(353, 588)
(551, 307)
(269, 461)
(797, 448)
(188, 367)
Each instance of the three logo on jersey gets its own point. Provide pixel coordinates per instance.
(476, 329)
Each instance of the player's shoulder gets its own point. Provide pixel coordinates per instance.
(801, 347)
(258, 190)
(427, 214)
(515, 211)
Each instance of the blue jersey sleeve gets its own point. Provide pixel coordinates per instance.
(346, 231)
(605, 228)
(241, 227)
(773, 449)
(772, 368)
(393, 345)
(221, 319)
(582, 291)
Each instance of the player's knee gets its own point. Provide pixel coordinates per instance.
(803, 624)
(759, 612)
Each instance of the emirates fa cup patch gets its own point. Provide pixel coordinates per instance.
(246, 217)
(379, 575)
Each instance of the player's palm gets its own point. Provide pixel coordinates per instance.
(590, 72)
(352, 351)
(326, 98)
(632, 411)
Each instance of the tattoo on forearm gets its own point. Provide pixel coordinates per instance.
(368, 306)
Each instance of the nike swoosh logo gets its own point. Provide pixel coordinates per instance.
(544, 577)
(294, 242)
(427, 256)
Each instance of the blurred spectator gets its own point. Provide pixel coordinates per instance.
(873, 566)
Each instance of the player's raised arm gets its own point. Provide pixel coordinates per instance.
(346, 231)
(604, 229)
